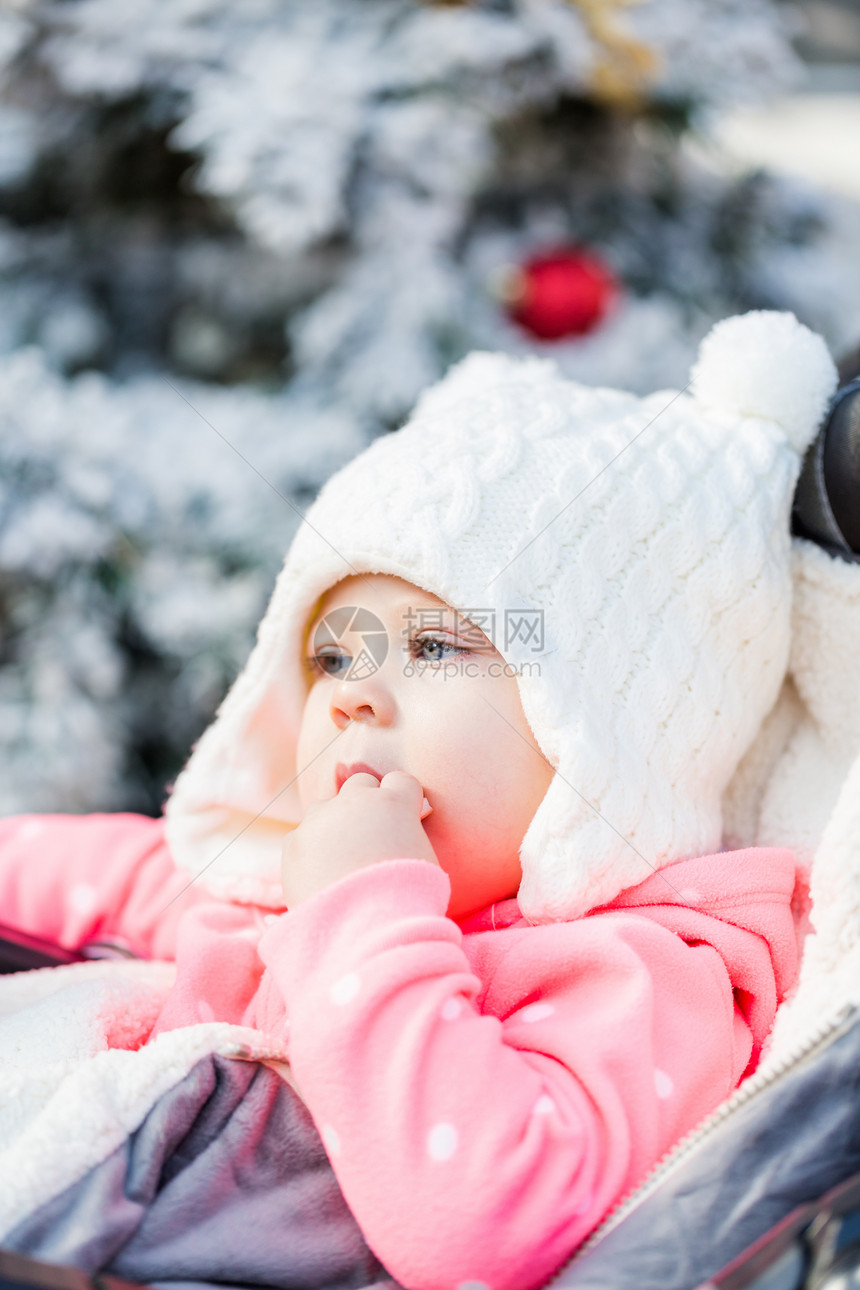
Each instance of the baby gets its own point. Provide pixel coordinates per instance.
(453, 840)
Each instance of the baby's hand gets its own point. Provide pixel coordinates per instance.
(369, 820)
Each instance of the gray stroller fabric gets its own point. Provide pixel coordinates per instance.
(225, 1182)
(789, 1144)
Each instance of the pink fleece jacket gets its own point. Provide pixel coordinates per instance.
(486, 1091)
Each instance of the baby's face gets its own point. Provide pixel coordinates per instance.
(439, 706)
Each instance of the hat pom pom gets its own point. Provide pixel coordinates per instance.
(766, 364)
(478, 373)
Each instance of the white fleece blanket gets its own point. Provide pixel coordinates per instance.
(830, 967)
(74, 1078)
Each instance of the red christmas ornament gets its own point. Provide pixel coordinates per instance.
(560, 293)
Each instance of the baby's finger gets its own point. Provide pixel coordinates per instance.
(402, 784)
(361, 779)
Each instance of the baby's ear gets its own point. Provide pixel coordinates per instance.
(766, 364)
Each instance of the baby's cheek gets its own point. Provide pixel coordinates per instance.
(309, 772)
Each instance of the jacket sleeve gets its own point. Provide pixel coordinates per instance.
(79, 878)
(480, 1130)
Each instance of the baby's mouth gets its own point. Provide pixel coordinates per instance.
(342, 772)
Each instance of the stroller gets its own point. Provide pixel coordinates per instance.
(764, 1195)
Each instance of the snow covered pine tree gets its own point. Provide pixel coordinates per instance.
(233, 231)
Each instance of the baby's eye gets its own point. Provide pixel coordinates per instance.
(331, 661)
(431, 649)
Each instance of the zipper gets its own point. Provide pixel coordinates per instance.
(761, 1080)
(263, 1049)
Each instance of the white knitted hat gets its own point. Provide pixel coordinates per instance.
(652, 532)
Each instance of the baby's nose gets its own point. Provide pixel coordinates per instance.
(365, 700)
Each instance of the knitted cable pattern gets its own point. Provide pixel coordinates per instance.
(651, 534)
